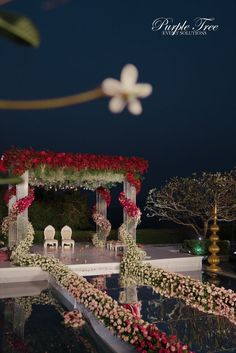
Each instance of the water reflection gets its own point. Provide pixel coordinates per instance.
(35, 325)
(205, 333)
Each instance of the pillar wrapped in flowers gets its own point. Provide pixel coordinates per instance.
(22, 191)
(130, 193)
(103, 226)
(131, 212)
(18, 199)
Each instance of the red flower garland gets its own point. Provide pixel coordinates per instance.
(105, 194)
(21, 160)
(73, 318)
(134, 181)
(2, 167)
(130, 207)
(19, 207)
(144, 336)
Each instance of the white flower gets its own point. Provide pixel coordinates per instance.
(126, 91)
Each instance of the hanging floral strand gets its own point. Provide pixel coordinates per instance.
(130, 207)
(99, 239)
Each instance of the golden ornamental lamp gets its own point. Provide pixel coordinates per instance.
(214, 259)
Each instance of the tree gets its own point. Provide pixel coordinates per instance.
(190, 201)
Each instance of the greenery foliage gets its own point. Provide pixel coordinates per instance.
(144, 236)
(59, 209)
(56, 208)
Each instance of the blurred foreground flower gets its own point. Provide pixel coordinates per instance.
(126, 91)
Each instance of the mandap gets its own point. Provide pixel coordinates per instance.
(52, 170)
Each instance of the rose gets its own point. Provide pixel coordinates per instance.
(21, 160)
(105, 194)
(3, 169)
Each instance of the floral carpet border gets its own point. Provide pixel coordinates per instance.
(146, 337)
(203, 296)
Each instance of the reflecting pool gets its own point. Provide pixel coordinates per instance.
(35, 325)
(204, 333)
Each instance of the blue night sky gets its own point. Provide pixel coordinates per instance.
(188, 124)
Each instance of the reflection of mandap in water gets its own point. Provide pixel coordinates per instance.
(128, 298)
(18, 340)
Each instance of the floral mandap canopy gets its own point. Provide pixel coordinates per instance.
(71, 170)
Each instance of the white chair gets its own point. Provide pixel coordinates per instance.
(49, 234)
(117, 245)
(66, 233)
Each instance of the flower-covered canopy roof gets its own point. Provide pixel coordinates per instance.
(72, 170)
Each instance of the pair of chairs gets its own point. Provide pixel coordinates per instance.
(66, 234)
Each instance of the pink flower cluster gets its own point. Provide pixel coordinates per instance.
(73, 318)
(147, 338)
(130, 207)
(204, 297)
(102, 222)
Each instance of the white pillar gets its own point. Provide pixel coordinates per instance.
(101, 206)
(12, 232)
(130, 193)
(22, 190)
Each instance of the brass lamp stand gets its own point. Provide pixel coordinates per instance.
(214, 259)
